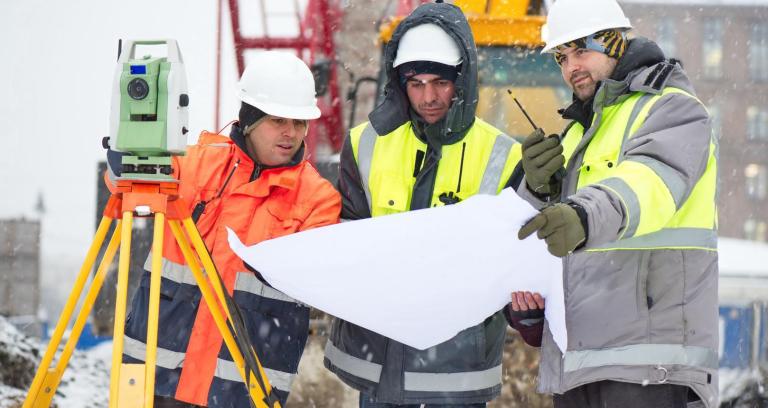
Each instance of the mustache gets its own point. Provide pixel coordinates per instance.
(579, 75)
(432, 105)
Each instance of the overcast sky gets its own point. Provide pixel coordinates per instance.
(58, 64)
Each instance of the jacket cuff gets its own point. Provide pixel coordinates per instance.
(583, 218)
(538, 201)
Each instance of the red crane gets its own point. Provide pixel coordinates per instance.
(315, 44)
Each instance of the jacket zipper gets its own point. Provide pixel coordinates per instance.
(256, 172)
(574, 179)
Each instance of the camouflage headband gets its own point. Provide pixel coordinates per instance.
(610, 42)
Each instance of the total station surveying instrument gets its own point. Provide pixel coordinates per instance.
(149, 126)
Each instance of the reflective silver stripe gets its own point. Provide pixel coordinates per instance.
(428, 382)
(453, 382)
(165, 358)
(531, 322)
(173, 271)
(667, 238)
(629, 198)
(630, 123)
(675, 184)
(227, 370)
(358, 367)
(365, 157)
(495, 167)
(248, 282)
(641, 354)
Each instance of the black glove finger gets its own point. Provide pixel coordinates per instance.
(541, 147)
(535, 137)
(543, 159)
(532, 226)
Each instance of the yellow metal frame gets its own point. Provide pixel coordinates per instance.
(132, 385)
(494, 23)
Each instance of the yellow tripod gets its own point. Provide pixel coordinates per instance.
(133, 385)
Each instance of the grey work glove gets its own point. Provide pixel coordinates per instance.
(560, 225)
(542, 158)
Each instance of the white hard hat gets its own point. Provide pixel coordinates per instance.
(427, 42)
(279, 84)
(570, 20)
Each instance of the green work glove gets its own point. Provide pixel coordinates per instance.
(542, 158)
(560, 225)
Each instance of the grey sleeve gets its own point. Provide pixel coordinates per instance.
(674, 142)
(354, 203)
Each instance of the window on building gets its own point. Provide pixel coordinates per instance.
(712, 48)
(665, 36)
(758, 52)
(757, 123)
(757, 181)
(755, 230)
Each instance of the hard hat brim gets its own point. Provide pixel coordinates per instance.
(550, 46)
(432, 58)
(283, 111)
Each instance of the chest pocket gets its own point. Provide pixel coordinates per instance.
(284, 219)
(597, 167)
(392, 195)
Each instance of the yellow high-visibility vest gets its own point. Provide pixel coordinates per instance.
(659, 215)
(481, 163)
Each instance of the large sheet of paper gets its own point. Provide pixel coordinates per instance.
(418, 277)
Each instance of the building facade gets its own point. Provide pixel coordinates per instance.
(723, 45)
(20, 273)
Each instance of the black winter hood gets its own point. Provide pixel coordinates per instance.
(393, 112)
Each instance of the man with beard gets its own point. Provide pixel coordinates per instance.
(634, 220)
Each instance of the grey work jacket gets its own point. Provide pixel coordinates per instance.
(640, 315)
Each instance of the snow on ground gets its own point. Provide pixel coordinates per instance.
(85, 383)
(734, 382)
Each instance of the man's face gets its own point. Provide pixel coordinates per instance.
(582, 69)
(275, 140)
(430, 96)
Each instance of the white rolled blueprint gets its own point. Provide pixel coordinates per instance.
(418, 277)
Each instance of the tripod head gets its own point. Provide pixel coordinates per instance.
(149, 111)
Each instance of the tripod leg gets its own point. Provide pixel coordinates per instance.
(34, 398)
(202, 251)
(126, 380)
(256, 393)
(154, 309)
(52, 381)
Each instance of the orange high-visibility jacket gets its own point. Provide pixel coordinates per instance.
(193, 364)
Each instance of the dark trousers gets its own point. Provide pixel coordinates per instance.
(366, 402)
(610, 394)
(167, 402)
